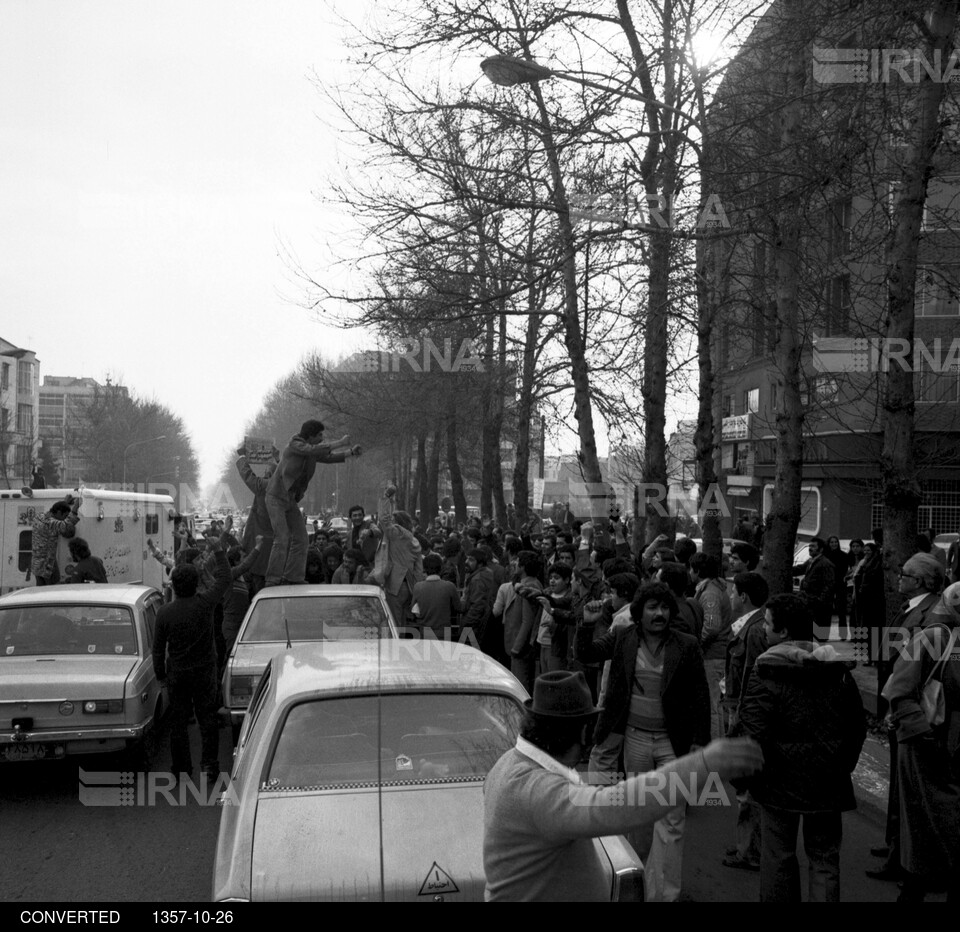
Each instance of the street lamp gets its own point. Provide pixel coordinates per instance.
(508, 71)
(136, 443)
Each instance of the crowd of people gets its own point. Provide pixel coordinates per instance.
(668, 660)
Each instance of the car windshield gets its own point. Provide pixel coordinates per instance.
(316, 618)
(393, 739)
(66, 629)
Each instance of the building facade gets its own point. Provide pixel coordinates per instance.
(61, 423)
(850, 153)
(19, 414)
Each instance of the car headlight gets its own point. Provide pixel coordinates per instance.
(100, 706)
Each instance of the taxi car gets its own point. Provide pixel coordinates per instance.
(293, 614)
(359, 776)
(76, 670)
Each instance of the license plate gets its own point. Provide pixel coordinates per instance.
(26, 751)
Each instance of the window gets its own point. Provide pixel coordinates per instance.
(328, 618)
(25, 420)
(936, 387)
(24, 378)
(724, 346)
(825, 388)
(838, 305)
(751, 401)
(838, 230)
(25, 458)
(393, 739)
(151, 524)
(774, 397)
(937, 294)
(4, 420)
(4, 376)
(67, 629)
(809, 508)
(25, 548)
(727, 406)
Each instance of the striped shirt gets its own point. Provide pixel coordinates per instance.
(646, 707)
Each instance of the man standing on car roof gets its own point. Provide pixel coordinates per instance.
(288, 485)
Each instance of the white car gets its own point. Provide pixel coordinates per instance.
(279, 615)
(359, 776)
(76, 670)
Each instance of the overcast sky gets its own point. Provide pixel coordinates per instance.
(155, 157)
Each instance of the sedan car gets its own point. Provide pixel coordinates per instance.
(359, 776)
(280, 615)
(76, 670)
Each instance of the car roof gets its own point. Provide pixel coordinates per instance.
(350, 667)
(78, 593)
(312, 591)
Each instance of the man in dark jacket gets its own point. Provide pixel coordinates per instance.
(287, 486)
(476, 606)
(521, 620)
(363, 535)
(803, 707)
(747, 642)
(818, 586)
(689, 618)
(921, 579)
(185, 625)
(657, 698)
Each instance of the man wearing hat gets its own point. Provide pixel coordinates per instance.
(539, 819)
(921, 580)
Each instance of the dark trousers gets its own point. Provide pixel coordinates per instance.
(840, 607)
(194, 690)
(892, 835)
(525, 670)
(779, 867)
(218, 638)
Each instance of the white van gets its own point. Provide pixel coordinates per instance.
(116, 525)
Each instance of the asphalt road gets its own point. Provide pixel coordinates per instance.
(53, 847)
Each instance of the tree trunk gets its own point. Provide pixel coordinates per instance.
(898, 467)
(654, 389)
(784, 516)
(433, 478)
(521, 485)
(572, 337)
(420, 483)
(453, 464)
(704, 438)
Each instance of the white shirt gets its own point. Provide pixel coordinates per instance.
(545, 760)
(740, 622)
(916, 600)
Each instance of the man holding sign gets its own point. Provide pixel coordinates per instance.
(287, 486)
